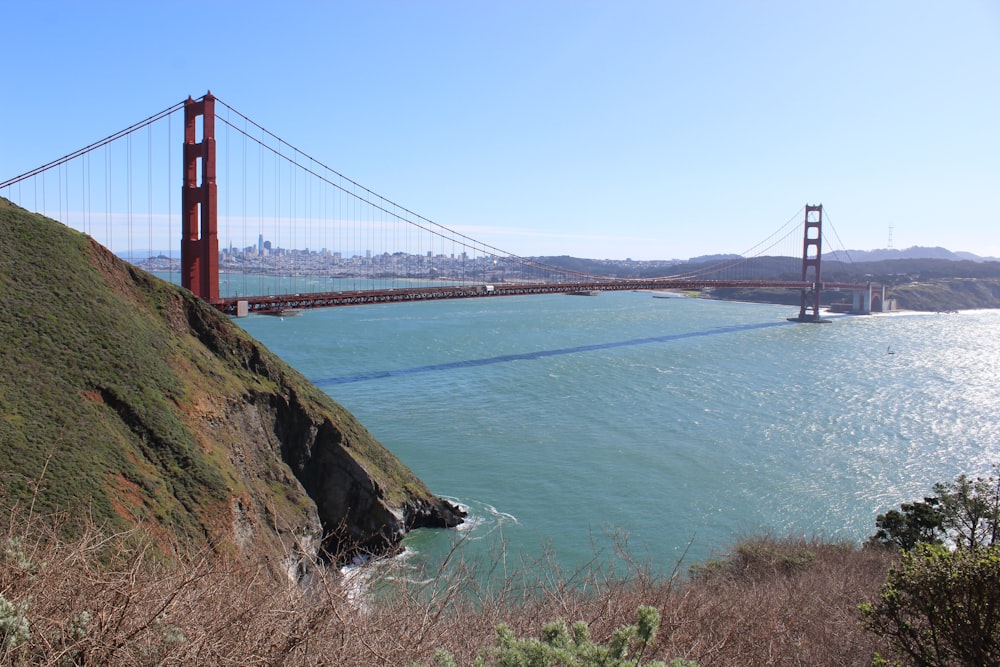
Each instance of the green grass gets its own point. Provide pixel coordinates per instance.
(86, 388)
(102, 369)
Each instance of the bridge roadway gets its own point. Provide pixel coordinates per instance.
(276, 304)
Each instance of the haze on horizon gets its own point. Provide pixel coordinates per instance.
(641, 129)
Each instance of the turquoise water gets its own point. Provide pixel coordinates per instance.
(561, 421)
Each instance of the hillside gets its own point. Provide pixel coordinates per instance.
(914, 252)
(947, 294)
(130, 402)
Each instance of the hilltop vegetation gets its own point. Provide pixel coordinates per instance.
(126, 401)
(97, 601)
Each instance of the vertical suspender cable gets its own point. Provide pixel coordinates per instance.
(224, 181)
(307, 193)
(128, 191)
(325, 192)
(170, 196)
(107, 196)
(243, 255)
(277, 200)
(356, 233)
(86, 189)
(149, 188)
(396, 268)
(385, 242)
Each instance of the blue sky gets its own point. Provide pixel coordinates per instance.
(616, 129)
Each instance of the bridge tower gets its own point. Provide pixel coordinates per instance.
(812, 243)
(199, 202)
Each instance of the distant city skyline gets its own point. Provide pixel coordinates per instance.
(857, 254)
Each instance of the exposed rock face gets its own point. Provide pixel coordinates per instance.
(365, 498)
(130, 401)
(352, 503)
(357, 505)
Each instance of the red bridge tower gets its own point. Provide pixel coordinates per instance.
(199, 202)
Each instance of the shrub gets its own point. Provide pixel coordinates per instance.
(916, 523)
(14, 628)
(941, 607)
(572, 647)
(970, 510)
(103, 597)
(966, 512)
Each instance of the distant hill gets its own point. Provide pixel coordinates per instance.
(916, 252)
(712, 259)
(128, 401)
(784, 267)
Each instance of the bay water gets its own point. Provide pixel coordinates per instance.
(566, 424)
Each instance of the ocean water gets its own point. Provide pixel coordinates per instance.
(566, 423)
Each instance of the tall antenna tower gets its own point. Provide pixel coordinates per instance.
(890, 238)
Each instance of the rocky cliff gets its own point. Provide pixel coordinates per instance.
(128, 401)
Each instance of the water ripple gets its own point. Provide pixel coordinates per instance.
(541, 354)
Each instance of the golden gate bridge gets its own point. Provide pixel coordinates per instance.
(298, 234)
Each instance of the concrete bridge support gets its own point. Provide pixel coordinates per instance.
(869, 300)
(862, 303)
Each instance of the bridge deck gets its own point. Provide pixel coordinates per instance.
(284, 302)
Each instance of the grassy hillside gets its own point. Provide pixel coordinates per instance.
(129, 401)
(89, 398)
(946, 294)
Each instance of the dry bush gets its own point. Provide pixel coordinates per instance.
(779, 602)
(99, 599)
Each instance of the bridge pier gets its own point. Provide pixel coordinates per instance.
(869, 300)
(862, 302)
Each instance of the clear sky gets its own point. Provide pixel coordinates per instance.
(616, 128)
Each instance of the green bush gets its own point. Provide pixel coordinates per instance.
(970, 510)
(965, 512)
(14, 627)
(914, 523)
(941, 607)
(563, 646)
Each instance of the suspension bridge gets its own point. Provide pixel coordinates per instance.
(295, 233)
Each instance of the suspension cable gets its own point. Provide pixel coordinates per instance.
(785, 230)
(450, 233)
(97, 144)
(842, 248)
